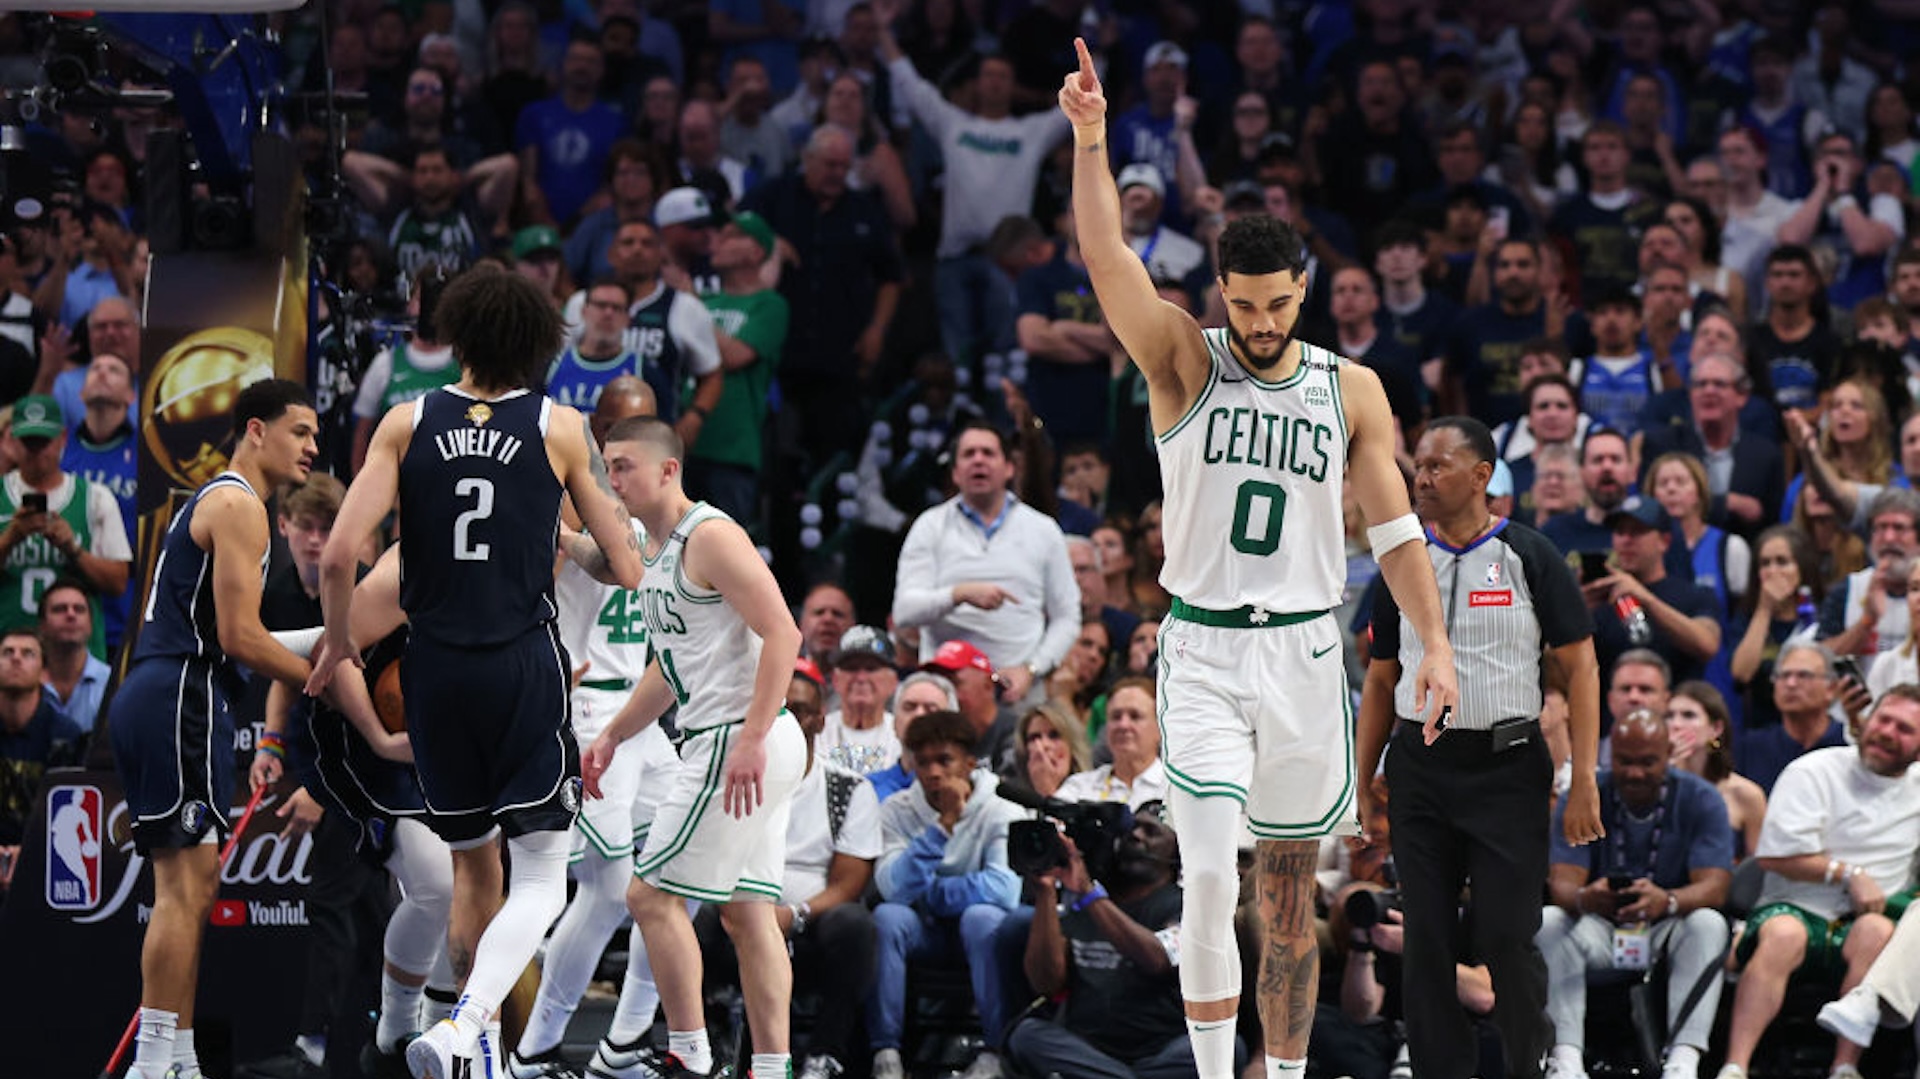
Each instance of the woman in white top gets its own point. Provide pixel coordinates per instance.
(1050, 744)
(1694, 222)
(1553, 417)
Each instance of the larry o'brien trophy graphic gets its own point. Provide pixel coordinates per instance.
(187, 403)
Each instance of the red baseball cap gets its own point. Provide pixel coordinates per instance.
(956, 656)
(809, 670)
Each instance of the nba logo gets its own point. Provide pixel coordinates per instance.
(73, 848)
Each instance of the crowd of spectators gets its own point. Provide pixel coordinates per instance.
(1662, 246)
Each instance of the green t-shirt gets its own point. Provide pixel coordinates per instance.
(732, 434)
(35, 563)
(409, 380)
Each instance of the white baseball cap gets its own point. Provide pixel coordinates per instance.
(1142, 173)
(683, 206)
(1165, 52)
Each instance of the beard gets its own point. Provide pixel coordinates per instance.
(1253, 360)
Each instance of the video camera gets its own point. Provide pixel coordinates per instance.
(1368, 907)
(1097, 828)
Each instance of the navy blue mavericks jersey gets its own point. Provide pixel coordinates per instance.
(181, 619)
(480, 518)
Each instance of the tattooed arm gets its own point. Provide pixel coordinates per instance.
(582, 551)
(606, 518)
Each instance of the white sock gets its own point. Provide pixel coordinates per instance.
(692, 1049)
(639, 997)
(536, 894)
(399, 1012)
(153, 1047)
(184, 1052)
(1212, 1047)
(772, 1066)
(313, 1047)
(1571, 1056)
(1285, 1069)
(1684, 1056)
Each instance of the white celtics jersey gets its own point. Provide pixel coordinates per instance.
(601, 624)
(708, 654)
(1253, 475)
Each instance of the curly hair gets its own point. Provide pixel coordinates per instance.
(503, 328)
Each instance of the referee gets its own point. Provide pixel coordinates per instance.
(1473, 804)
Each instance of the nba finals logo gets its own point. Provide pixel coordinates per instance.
(73, 848)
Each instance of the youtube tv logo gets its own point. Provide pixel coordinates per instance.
(228, 912)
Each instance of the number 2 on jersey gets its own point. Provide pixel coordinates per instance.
(464, 549)
(1267, 539)
(622, 619)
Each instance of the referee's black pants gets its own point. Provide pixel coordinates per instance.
(1462, 813)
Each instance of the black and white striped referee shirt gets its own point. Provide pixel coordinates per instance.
(1505, 597)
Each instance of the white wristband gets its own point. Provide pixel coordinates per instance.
(300, 642)
(1391, 534)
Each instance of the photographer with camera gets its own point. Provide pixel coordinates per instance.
(1654, 886)
(1112, 944)
(945, 883)
(1360, 1035)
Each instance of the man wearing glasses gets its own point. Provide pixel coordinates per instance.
(1866, 615)
(1744, 468)
(1803, 688)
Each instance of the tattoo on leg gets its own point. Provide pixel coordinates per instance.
(460, 958)
(1290, 961)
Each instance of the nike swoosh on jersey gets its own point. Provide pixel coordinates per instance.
(1323, 651)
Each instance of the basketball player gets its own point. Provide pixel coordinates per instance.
(171, 725)
(477, 469)
(350, 763)
(1255, 431)
(606, 637)
(723, 645)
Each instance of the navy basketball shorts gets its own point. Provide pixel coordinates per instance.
(329, 758)
(172, 736)
(491, 735)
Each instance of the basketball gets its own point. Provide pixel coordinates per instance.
(388, 704)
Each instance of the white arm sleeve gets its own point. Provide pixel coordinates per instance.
(109, 529)
(691, 324)
(373, 386)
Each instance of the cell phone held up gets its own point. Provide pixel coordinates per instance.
(1848, 667)
(1593, 566)
(33, 502)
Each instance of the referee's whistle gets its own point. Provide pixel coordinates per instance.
(1445, 719)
